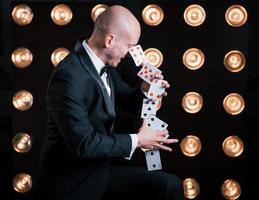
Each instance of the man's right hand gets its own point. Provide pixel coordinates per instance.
(150, 139)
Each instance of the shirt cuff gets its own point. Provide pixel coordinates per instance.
(134, 142)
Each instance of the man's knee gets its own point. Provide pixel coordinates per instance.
(173, 187)
(172, 183)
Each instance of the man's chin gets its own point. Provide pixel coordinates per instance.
(115, 64)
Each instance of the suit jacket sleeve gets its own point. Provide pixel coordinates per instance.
(66, 106)
(128, 98)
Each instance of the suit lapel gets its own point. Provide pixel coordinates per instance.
(112, 89)
(88, 65)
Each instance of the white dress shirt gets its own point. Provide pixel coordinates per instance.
(98, 64)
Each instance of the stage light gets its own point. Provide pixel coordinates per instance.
(22, 100)
(230, 189)
(236, 15)
(61, 14)
(97, 10)
(22, 14)
(233, 103)
(191, 188)
(233, 146)
(193, 58)
(152, 15)
(22, 57)
(194, 15)
(190, 145)
(154, 56)
(58, 55)
(234, 61)
(192, 102)
(22, 142)
(22, 182)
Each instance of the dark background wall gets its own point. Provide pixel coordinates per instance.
(172, 37)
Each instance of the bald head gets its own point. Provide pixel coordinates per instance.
(115, 31)
(117, 20)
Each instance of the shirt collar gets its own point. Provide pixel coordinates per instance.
(98, 63)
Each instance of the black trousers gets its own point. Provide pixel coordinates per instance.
(130, 182)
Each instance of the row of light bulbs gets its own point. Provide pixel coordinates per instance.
(193, 58)
(230, 188)
(22, 57)
(153, 15)
(190, 145)
(192, 102)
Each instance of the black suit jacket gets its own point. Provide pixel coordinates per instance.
(79, 146)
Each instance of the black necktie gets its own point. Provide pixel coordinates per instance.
(104, 69)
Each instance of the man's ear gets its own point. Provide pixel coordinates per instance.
(109, 40)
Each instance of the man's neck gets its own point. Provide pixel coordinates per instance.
(95, 48)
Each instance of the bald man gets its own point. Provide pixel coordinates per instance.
(77, 156)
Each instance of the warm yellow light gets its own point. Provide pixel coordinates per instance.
(22, 142)
(61, 14)
(233, 146)
(152, 15)
(22, 100)
(192, 102)
(154, 56)
(22, 57)
(58, 55)
(190, 145)
(234, 61)
(236, 15)
(193, 58)
(233, 103)
(22, 182)
(230, 189)
(191, 188)
(22, 14)
(97, 10)
(194, 15)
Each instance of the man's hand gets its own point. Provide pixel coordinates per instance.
(145, 86)
(150, 139)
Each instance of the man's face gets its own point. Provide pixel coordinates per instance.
(120, 48)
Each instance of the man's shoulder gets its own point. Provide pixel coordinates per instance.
(68, 60)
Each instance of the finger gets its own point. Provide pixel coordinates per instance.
(173, 140)
(167, 141)
(147, 148)
(164, 94)
(167, 85)
(160, 146)
(163, 133)
(167, 136)
(159, 76)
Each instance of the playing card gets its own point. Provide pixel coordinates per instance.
(156, 89)
(153, 160)
(147, 72)
(148, 107)
(137, 54)
(155, 123)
